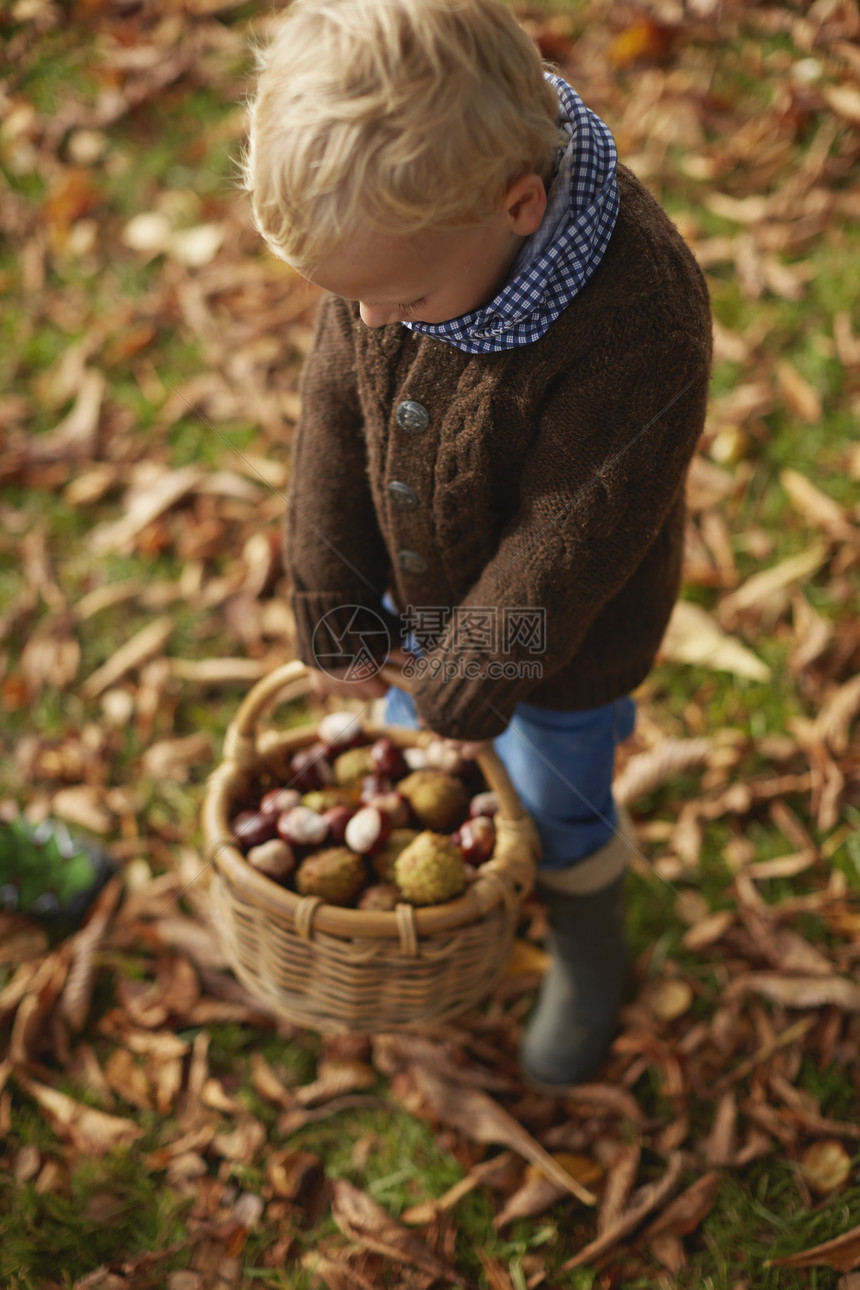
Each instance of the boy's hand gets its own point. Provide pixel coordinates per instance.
(335, 682)
(468, 749)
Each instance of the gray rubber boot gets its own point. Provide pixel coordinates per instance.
(572, 1026)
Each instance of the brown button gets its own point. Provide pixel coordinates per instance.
(412, 561)
(403, 497)
(412, 417)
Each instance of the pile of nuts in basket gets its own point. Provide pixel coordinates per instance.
(368, 824)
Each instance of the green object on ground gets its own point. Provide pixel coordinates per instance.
(48, 873)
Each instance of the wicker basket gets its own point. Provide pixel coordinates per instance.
(347, 970)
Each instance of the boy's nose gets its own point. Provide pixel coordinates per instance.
(377, 315)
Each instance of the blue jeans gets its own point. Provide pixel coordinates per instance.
(561, 765)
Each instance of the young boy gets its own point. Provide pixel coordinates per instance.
(507, 384)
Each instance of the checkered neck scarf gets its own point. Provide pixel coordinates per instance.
(555, 263)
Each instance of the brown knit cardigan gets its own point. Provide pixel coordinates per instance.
(550, 475)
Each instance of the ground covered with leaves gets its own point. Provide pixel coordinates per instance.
(159, 1127)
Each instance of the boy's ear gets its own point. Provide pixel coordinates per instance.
(525, 204)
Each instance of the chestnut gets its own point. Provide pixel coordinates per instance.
(274, 858)
(373, 786)
(367, 831)
(339, 730)
(253, 827)
(302, 827)
(278, 800)
(388, 759)
(441, 757)
(416, 758)
(394, 805)
(310, 769)
(338, 817)
(484, 804)
(476, 839)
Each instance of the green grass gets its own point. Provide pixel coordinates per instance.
(166, 154)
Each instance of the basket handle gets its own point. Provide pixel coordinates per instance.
(292, 681)
(289, 681)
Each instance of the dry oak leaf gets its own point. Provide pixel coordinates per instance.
(337, 1275)
(645, 1200)
(709, 930)
(241, 1143)
(82, 804)
(694, 637)
(842, 1254)
(89, 1131)
(833, 722)
(526, 959)
(482, 1119)
(29, 1029)
(171, 759)
(77, 992)
(650, 770)
(267, 1084)
(619, 1184)
(688, 1210)
(142, 504)
(150, 640)
(819, 508)
(538, 1193)
(800, 992)
(501, 1172)
(128, 1079)
(363, 1221)
(753, 595)
(336, 1078)
(293, 1174)
(51, 656)
(799, 395)
(845, 101)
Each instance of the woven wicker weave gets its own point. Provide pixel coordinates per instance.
(347, 970)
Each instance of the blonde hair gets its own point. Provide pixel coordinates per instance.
(393, 115)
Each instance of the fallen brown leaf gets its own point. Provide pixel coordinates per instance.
(128, 1079)
(482, 1119)
(77, 992)
(294, 1174)
(537, 1193)
(645, 1200)
(721, 1142)
(29, 1027)
(619, 1184)
(694, 637)
(842, 1254)
(148, 641)
(363, 1221)
(755, 594)
(650, 770)
(335, 1078)
(267, 1084)
(89, 1131)
(688, 1210)
(144, 502)
(800, 992)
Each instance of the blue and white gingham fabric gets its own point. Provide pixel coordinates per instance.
(555, 263)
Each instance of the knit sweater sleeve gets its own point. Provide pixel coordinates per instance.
(606, 470)
(334, 553)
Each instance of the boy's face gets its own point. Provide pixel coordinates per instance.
(427, 277)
